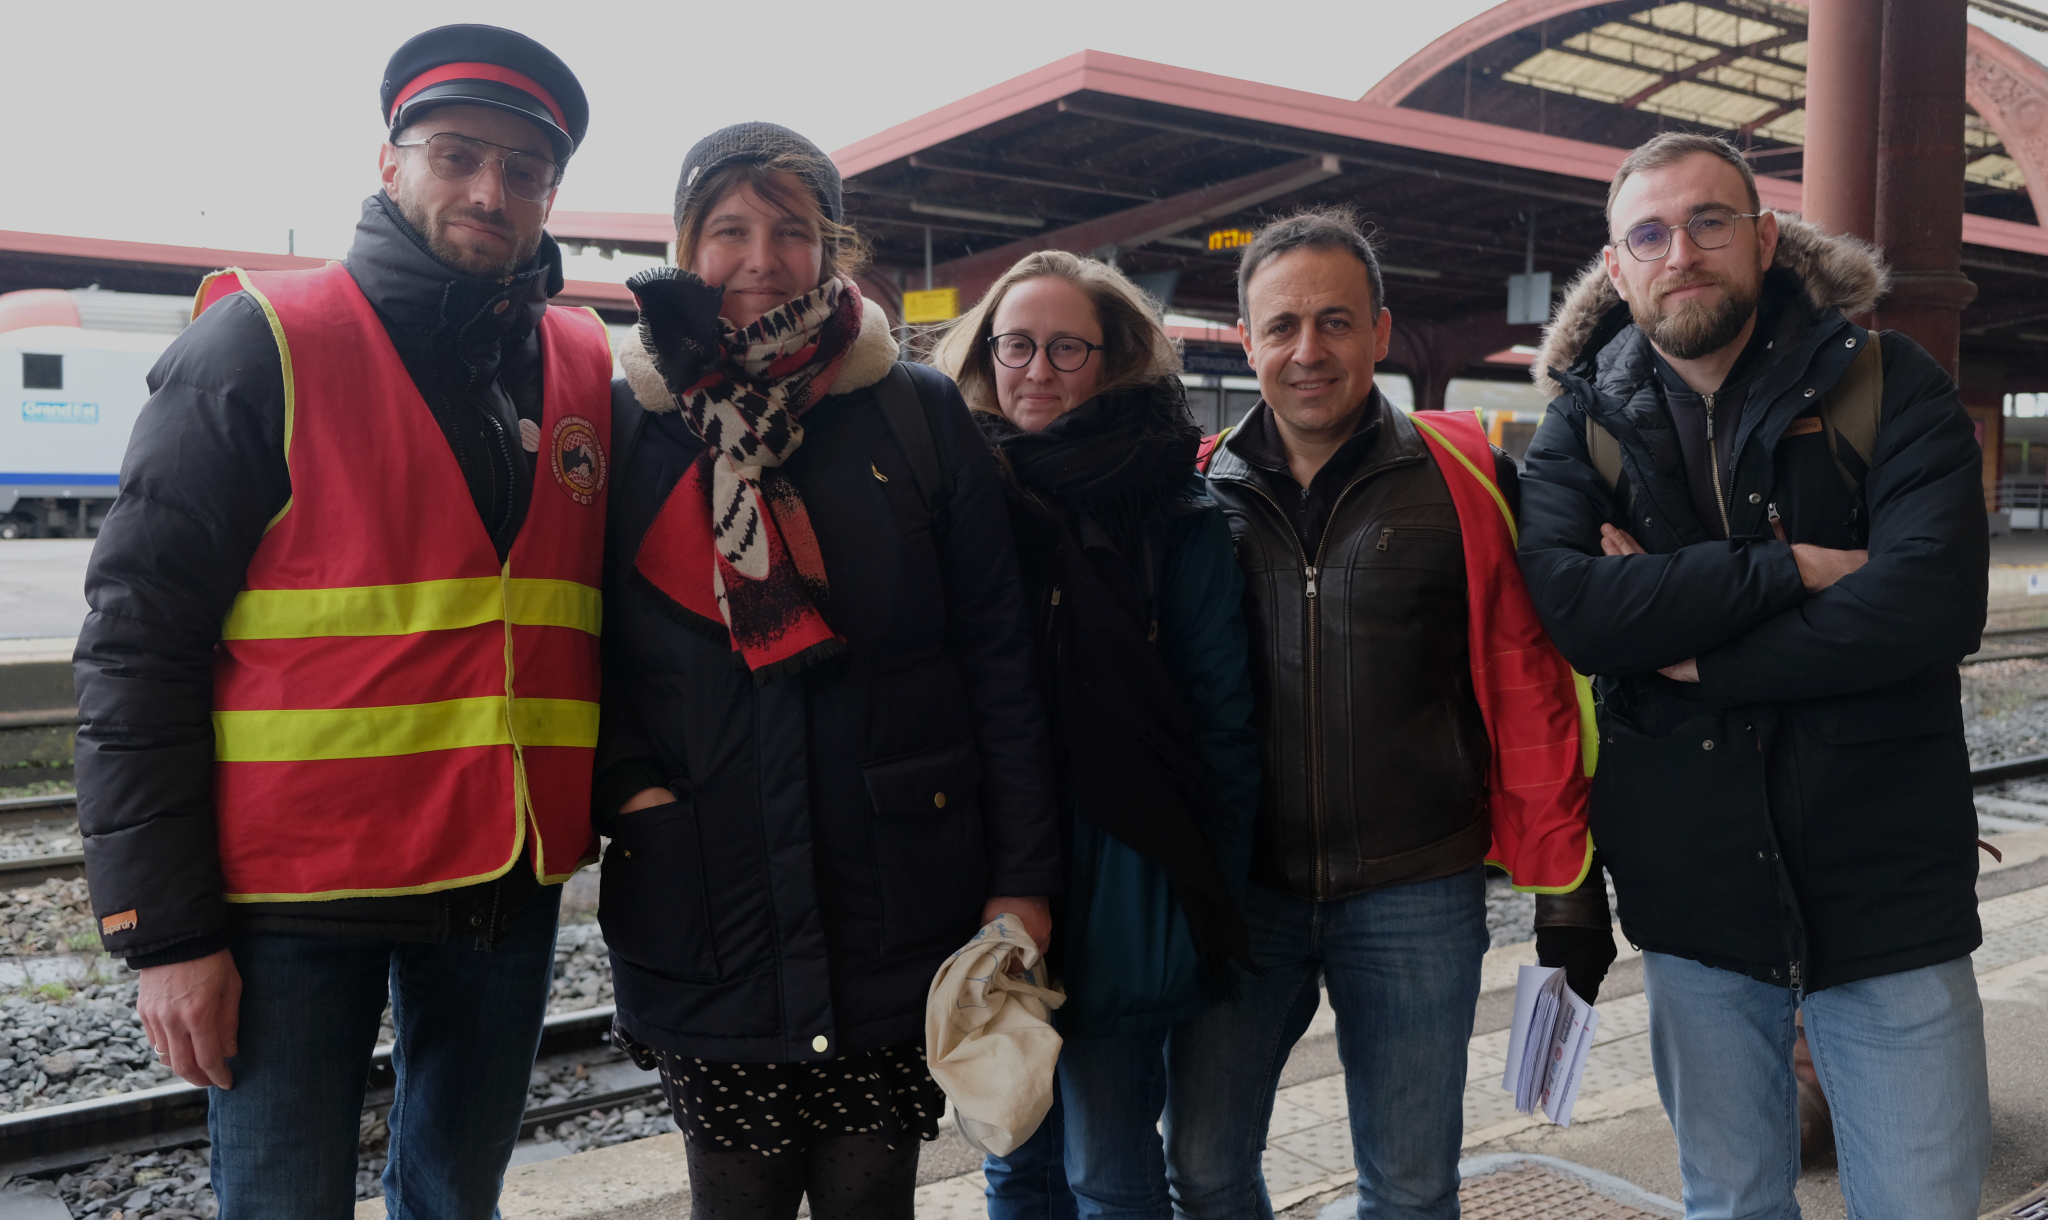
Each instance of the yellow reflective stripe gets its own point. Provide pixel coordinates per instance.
(1485, 480)
(284, 360)
(1585, 867)
(539, 602)
(297, 734)
(1589, 722)
(401, 610)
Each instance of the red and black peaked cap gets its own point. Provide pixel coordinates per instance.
(482, 65)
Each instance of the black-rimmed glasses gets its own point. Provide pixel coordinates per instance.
(458, 158)
(1709, 229)
(1016, 351)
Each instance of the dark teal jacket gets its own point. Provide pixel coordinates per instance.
(1122, 948)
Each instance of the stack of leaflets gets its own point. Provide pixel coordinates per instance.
(1547, 1045)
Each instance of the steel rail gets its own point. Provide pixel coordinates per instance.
(29, 870)
(74, 1134)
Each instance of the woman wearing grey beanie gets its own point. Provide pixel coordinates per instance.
(823, 760)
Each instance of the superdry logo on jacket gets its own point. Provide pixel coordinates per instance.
(1802, 814)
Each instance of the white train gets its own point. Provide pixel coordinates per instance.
(72, 369)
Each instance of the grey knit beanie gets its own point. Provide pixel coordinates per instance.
(759, 143)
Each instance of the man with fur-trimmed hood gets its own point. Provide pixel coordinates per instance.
(1759, 526)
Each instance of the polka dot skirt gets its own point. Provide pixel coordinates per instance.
(780, 1108)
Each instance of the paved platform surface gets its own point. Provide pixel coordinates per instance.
(1528, 1167)
(42, 586)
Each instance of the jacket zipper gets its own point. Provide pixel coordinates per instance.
(1312, 665)
(1714, 469)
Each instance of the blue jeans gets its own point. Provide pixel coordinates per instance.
(1900, 1058)
(468, 1026)
(1402, 968)
(1099, 1152)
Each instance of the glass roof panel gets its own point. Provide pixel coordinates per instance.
(1636, 45)
(1712, 25)
(1771, 85)
(1786, 128)
(1620, 60)
(1586, 78)
(1996, 170)
(1703, 103)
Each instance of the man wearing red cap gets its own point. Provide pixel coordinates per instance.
(338, 686)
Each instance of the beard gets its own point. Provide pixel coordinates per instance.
(1698, 327)
(484, 265)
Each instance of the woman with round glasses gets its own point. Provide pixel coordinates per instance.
(1134, 592)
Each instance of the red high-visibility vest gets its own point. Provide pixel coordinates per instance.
(1538, 712)
(395, 712)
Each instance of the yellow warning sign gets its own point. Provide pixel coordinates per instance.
(931, 305)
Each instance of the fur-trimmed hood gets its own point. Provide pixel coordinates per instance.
(1834, 272)
(867, 362)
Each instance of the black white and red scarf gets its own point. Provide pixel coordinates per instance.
(732, 545)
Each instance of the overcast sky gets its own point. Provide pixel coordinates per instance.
(226, 124)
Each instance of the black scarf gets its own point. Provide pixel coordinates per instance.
(1081, 493)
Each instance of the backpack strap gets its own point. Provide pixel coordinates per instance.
(1206, 451)
(1604, 452)
(911, 419)
(1852, 411)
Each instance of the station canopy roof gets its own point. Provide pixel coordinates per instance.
(1484, 155)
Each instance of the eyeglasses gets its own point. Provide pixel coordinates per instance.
(1016, 351)
(1709, 228)
(529, 176)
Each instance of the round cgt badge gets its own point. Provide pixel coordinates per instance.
(577, 458)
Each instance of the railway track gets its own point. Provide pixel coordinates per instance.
(53, 1139)
(24, 812)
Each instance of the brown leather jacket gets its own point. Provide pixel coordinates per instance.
(1373, 751)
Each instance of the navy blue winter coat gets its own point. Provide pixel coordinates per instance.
(835, 833)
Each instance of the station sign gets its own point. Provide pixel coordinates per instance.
(1215, 362)
(931, 305)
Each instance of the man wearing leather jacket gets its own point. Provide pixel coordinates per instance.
(1381, 785)
(307, 632)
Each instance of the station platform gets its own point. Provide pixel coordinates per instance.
(1618, 1158)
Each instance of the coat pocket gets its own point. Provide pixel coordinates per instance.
(1682, 823)
(930, 859)
(651, 903)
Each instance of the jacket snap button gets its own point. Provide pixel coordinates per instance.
(1756, 498)
(939, 800)
(1707, 745)
(820, 1043)
(1759, 856)
(1809, 392)
(1848, 343)
(476, 921)
(627, 852)
(1646, 521)
(501, 307)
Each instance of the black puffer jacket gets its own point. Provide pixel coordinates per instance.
(837, 831)
(1802, 814)
(204, 474)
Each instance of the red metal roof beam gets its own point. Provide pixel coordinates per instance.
(1141, 225)
(1707, 65)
